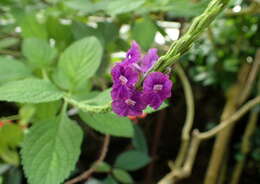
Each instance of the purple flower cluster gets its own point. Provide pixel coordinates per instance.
(127, 100)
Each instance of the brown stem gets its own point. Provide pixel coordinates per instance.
(236, 96)
(85, 175)
(251, 78)
(245, 147)
(197, 137)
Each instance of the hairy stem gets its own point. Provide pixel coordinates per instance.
(198, 26)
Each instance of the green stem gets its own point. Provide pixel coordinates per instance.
(177, 49)
(44, 74)
(199, 25)
(189, 117)
(89, 108)
(10, 118)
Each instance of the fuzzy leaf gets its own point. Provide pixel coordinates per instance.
(79, 62)
(31, 28)
(12, 69)
(109, 123)
(29, 91)
(40, 57)
(51, 150)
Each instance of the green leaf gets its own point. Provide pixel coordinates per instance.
(78, 63)
(115, 7)
(143, 32)
(51, 150)
(59, 32)
(40, 57)
(11, 136)
(150, 110)
(29, 91)
(132, 160)
(122, 176)
(109, 123)
(102, 167)
(102, 98)
(85, 6)
(31, 28)
(139, 141)
(12, 69)
(183, 8)
(8, 42)
(46, 110)
(109, 180)
(26, 111)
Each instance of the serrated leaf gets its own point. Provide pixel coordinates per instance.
(78, 63)
(29, 91)
(139, 141)
(143, 32)
(115, 7)
(109, 123)
(40, 57)
(51, 150)
(122, 176)
(132, 160)
(12, 69)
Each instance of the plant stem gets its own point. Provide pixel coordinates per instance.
(85, 175)
(230, 121)
(198, 26)
(88, 108)
(189, 116)
(245, 147)
(236, 96)
(197, 137)
(10, 118)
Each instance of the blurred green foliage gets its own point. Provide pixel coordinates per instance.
(69, 46)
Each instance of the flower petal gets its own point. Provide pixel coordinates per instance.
(149, 59)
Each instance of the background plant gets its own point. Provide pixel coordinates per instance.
(56, 58)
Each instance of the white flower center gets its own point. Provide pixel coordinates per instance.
(123, 79)
(157, 87)
(130, 102)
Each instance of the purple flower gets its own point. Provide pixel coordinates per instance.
(133, 55)
(132, 105)
(127, 100)
(149, 59)
(124, 77)
(157, 87)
